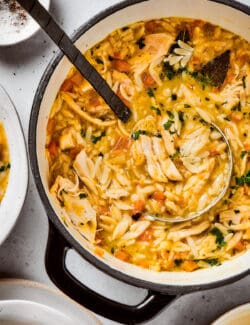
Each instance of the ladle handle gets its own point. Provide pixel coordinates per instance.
(54, 31)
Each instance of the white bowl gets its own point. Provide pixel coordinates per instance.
(13, 199)
(239, 315)
(24, 302)
(12, 33)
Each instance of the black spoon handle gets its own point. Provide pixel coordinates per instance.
(54, 31)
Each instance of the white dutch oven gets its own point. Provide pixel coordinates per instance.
(226, 13)
(13, 199)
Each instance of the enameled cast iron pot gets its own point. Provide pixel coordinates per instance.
(163, 286)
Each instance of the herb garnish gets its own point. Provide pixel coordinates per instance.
(187, 106)
(83, 133)
(158, 111)
(150, 92)
(170, 114)
(141, 43)
(83, 195)
(219, 236)
(168, 124)
(135, 135)
(4, 167)
(244, 82)
(174, 97)
(99, 61)
(244, 179)
(95, 139)
(211, 261)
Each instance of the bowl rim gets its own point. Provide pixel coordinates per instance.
(22, 191)
(32, 139)
(34, 29)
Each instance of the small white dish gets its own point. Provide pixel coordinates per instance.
(15, 29)
(239, 315)
(31, 303)
(14, 197)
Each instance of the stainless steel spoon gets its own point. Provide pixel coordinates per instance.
(197, 214)
(61, 39)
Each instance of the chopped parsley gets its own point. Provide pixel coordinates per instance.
(99, 61)
(150, 92)
(244, 82)
(181, 116)
(141, 43)
(175, 155)
(243, 153)
(219, 236)
(158, 135)
(158, 111)
(83, 195)
(244, 179)
(135, 135)
(4, 167)
(236, 211)
(174, 97)
(178, 262)
(236, 107)
(83, 133)
(211, 261)
(168, 124)
(95, 139)
(187, 106)
(136, 216)
(170, 114)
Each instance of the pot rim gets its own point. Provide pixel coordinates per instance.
(99, 264)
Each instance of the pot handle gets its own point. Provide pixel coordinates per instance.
(56, 251)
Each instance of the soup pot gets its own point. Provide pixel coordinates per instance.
(163, 286)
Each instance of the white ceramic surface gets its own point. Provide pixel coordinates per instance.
(217, 13)
(32, 303)
(239, 315)
(12, 30)
(13, 199)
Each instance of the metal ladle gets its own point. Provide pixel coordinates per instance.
(194, 215)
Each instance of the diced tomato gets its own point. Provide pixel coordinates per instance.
(147, 80)
(240, 246)
(147, 235)
(247, 145)
(158, 196)
(53, 148)
(138, 207)
(121, 65)
(236, 116)
(189, 266)
(74, 152)
(98, 251)
(50, 125)
(77, 78)
(122, 255)
(94, 100)
(213, 152)
(151, 26)
(122, 143)
(67, 85)
(103, 210)
(143, 263)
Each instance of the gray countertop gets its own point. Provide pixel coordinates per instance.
(22, 254)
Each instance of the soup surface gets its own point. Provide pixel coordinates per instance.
(177, 76)
(4, 162)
